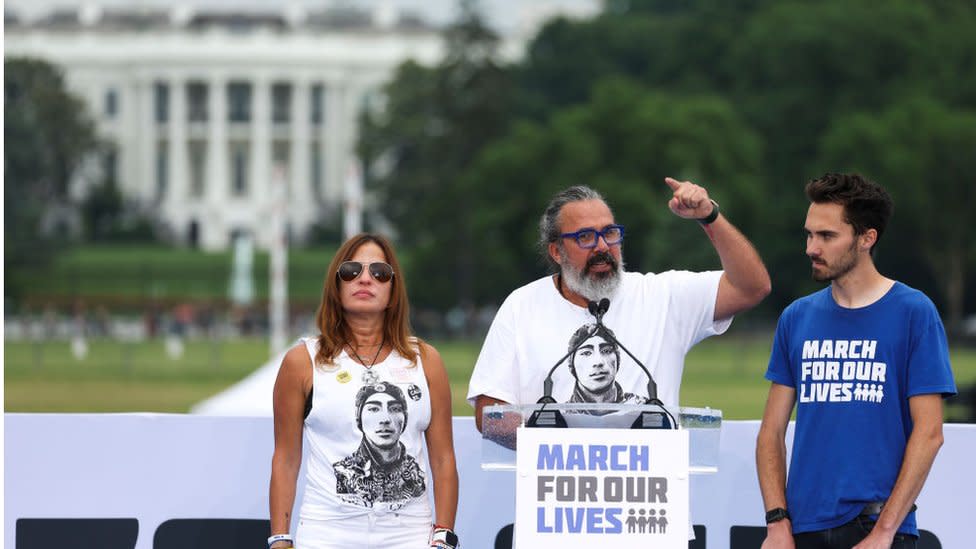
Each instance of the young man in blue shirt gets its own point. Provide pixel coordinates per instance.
(866, 363)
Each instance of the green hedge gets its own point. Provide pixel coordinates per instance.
(143, 273)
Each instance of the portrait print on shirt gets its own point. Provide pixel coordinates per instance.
(380, 470)
(595, 364)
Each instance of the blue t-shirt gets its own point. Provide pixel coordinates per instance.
(854, 371)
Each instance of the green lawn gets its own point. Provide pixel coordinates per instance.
(723, 372)
(122, 377)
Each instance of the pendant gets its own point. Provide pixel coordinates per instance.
(370, 377)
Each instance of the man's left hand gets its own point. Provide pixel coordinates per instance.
(689, 201)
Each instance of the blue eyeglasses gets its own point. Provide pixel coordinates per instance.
(587, 238)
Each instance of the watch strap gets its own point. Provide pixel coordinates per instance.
(776, 515)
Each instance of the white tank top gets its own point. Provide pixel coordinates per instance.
(365, 438)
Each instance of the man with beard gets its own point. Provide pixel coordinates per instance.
(657, 316)
(866, 362)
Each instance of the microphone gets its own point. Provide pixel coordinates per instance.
(598, 309)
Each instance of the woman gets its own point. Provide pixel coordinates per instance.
(367, 394)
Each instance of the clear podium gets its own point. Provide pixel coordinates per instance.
(590, 474)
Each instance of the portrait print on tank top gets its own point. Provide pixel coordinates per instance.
(380, 470)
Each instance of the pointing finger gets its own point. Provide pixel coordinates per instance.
(673, 183)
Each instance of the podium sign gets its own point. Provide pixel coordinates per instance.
(580, 488)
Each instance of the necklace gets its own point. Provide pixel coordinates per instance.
(369, 377)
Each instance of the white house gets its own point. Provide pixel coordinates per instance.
(206, 111)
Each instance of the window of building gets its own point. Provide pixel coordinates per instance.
(281, 102)
(111, 103)
(110, 162)
(239, 102)
(196, 98)
(162, 169)
(198, 166)
(239, 168)
(318, 103)
(161, 100)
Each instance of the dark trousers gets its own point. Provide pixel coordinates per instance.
(848, 535)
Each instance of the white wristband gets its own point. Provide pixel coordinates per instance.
(279, 537)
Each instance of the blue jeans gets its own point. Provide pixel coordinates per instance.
(848, 535)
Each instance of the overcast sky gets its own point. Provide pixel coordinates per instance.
(505, 15)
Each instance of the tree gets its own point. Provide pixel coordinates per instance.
(435, 123)
(923, 152)
(622, 142)
(694, 88)
(47, 134)
(789, 69)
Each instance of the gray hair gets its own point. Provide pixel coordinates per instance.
(549, 222)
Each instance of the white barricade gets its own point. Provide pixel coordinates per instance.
(155, 468)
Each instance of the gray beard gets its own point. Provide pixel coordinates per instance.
(593, 288)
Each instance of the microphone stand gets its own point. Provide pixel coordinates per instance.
(648, 419)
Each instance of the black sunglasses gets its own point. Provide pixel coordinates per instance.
(350, 270)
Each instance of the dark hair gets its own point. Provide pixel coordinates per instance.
(587, 331)
(867, 205)
(549, 222)
(331, 318)
(369, 390)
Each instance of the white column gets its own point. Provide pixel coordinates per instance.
(128, 146)
(178, 192)
(144, 119)
(352, 184)
(332, 130)
(301, 200)
(259, 191)
(278, 264)
(217, 186)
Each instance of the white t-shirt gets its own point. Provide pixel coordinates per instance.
(344, 473)
(657, 316)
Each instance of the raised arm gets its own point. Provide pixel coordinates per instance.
(745, 281)
(771, 462)
(923, 445)
(290, 391)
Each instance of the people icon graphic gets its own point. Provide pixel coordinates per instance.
(650, 521)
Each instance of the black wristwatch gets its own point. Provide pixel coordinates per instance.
(776, 515)
(710, 218)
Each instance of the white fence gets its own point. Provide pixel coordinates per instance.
(161, 476)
